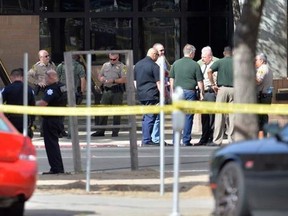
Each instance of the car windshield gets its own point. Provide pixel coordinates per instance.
(4, 126)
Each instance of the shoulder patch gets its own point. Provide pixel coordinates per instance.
(124, 69)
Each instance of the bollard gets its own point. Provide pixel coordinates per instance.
(178, 118)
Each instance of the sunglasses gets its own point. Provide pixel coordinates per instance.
(162, 50)
(113, 59)
(47, 56)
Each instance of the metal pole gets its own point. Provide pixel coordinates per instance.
(162, 120)
(25, 94)
(88, 122)
(73, 121)
(178, 118)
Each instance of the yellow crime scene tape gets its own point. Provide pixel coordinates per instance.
(185, 106)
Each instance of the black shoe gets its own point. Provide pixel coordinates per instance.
(199, 144)
(52, 173)
(187, 144)
(64, 133)
(114, 134)
(151, 144)
(212, 144)
(97, 134)
(169, 144)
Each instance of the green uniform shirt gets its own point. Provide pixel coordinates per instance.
(186, 73)
(79, 72)
(224, 68)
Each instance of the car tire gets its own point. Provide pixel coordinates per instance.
(230, 194)
(16, 208)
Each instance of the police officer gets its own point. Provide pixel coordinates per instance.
(10, 95)
(264, 81)
(79, 83)
(55, 95)
(79, 76)
(113, 77)
(36, 76)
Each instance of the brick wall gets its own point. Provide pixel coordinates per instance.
(18, 34)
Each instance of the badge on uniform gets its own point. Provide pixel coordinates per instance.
(49, 91)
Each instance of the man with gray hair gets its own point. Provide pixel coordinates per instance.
(186, 73)
(207, 120)
(264, 82)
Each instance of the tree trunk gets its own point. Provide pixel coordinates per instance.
(246, 125)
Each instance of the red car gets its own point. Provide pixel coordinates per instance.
(18, 169)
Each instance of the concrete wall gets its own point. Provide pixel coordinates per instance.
(18, 34)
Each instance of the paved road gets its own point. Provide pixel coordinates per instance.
(194, 160)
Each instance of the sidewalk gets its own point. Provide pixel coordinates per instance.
(123, 192)
(107, 141)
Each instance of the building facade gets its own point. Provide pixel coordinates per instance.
(127, 24)
(64, 25)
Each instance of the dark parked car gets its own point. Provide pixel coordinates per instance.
(251, 175)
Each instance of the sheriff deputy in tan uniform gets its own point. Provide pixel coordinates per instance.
(36, 75)
(113, 77)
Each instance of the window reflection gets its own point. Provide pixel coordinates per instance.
(208, 5)
(16, 6)
(74, 34)
(110, 5)
(112, 33)
(165, 5)
(59, 35)
(62, 5)
(164, 31)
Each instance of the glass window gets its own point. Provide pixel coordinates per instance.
(208, 5)
(111, 33)
(4, 126)
(220, 5)
(60, 35)
(62, 6)
(213, 32)
(221, 39)
(161, 30)
(110, 5)
(196, 5)
(74, 34)
(16, 6)
(114, 33)
(198, 34)
(164, 6)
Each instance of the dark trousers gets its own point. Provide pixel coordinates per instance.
(263, 118)
(110, 98)
(51, 131)
(207, 120)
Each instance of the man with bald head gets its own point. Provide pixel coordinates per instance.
(55, 95)
(36, 77)
(147, 80)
